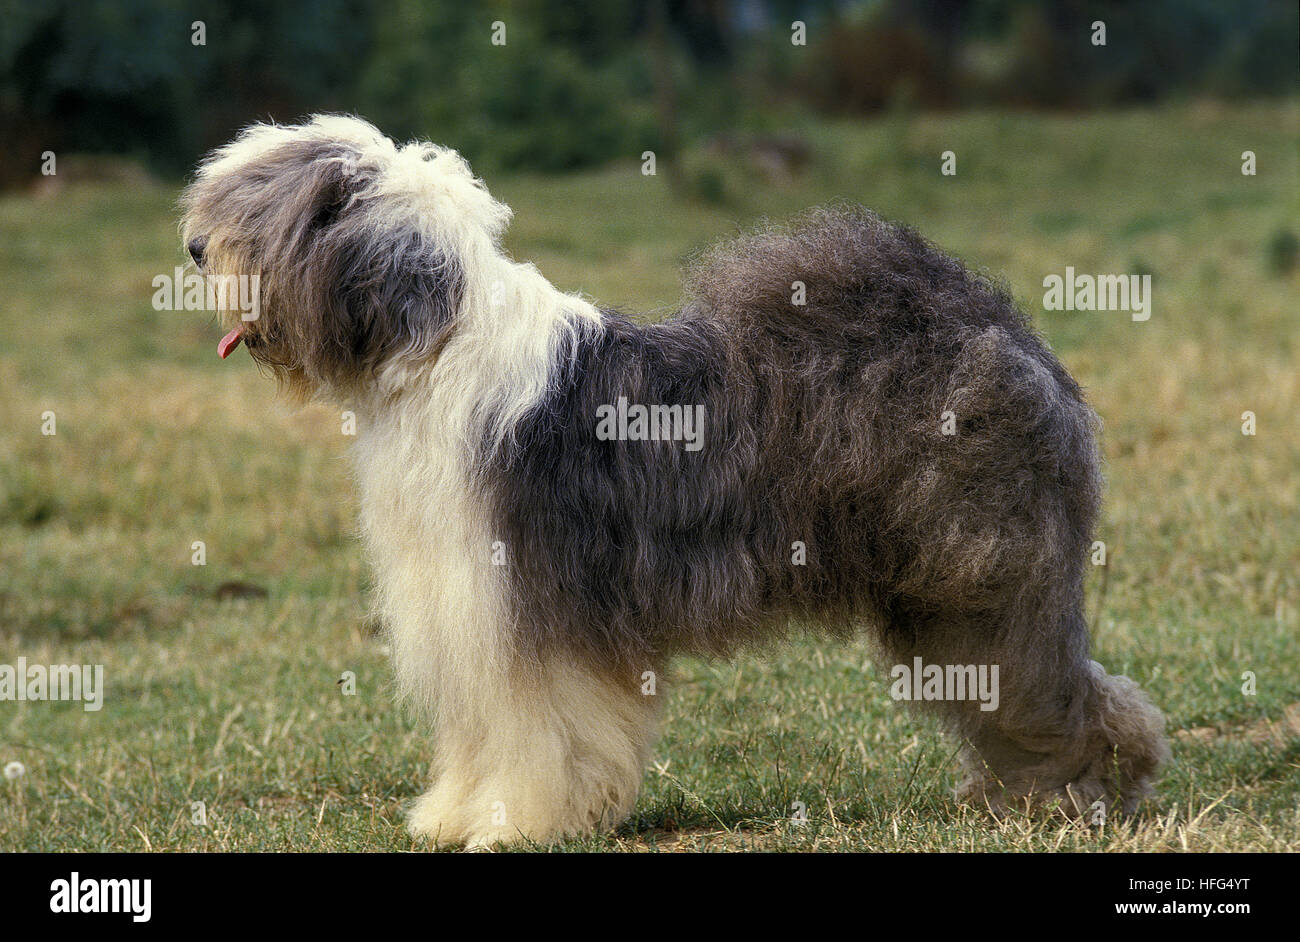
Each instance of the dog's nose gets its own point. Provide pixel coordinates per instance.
(196, 247)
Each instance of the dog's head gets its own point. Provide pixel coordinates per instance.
(357, 250)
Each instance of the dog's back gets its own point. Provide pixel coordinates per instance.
(882, 429)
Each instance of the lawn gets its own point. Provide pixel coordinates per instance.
(235, 702)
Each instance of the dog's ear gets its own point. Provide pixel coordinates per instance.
(267, 192)
(374, 289)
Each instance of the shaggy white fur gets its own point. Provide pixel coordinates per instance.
(521, 750)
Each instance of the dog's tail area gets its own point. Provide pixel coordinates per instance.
(840, 273)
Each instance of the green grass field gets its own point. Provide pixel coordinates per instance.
(236, 703)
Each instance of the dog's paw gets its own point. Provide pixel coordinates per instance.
(431, 818)
(436, 817)
(1089, 798)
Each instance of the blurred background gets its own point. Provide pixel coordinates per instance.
(1006, 131)
(581, 83)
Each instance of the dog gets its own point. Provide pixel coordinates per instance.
(842, 430)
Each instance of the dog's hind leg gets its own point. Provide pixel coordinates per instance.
(1086, 739)
(1060, 727)
(998, 520)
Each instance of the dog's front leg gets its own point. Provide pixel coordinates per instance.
(547, 752)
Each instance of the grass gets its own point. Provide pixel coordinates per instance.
(236, 703)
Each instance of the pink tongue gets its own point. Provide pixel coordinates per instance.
(228, 343)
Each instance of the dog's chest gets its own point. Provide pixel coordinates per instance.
(426, 537)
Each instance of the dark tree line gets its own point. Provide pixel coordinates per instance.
(577, 83)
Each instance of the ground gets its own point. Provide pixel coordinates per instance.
(236, 702)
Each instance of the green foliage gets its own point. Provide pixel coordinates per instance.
(573, 85)
(1043, 54)
(129, 77)
(531, 103)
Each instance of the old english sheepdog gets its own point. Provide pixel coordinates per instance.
(842, 429)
